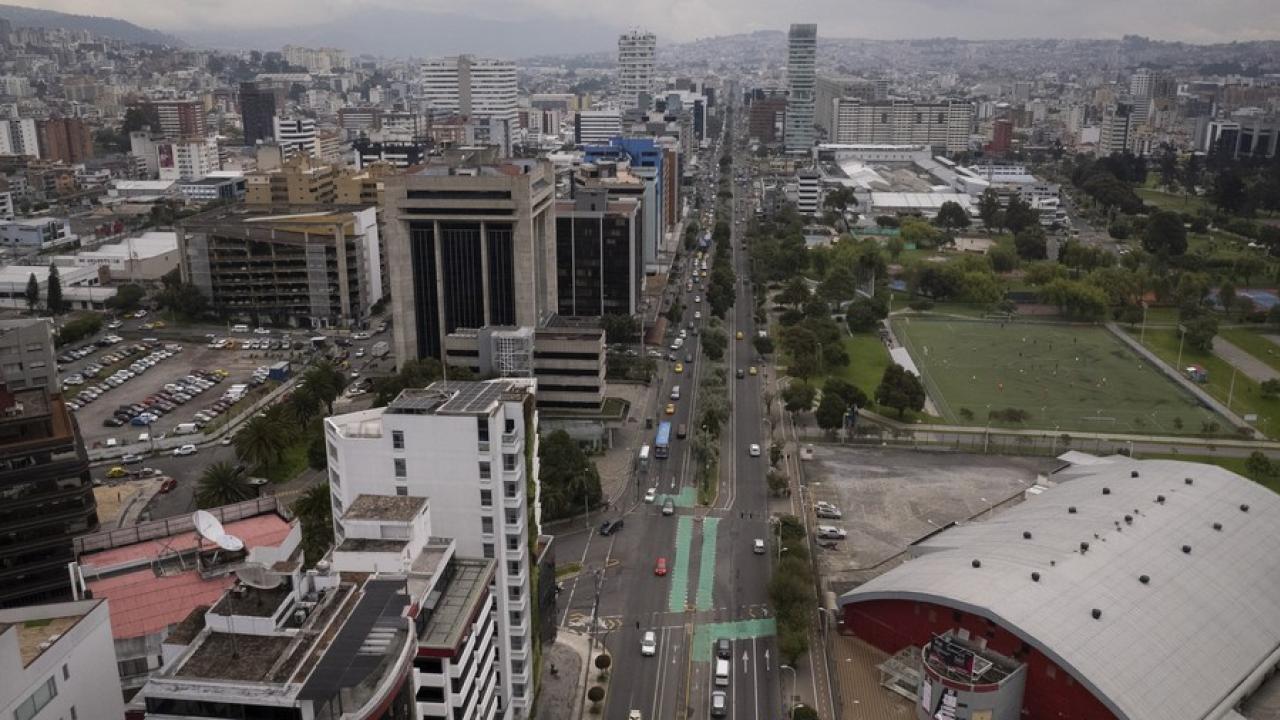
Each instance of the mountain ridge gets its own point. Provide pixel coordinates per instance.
(103, 26)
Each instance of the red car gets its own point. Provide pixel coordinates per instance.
(661, 567)
(168, 484)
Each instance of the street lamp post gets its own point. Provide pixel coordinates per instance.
(786, 703)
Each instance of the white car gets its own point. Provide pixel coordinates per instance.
(697, 299)
(831, 532)
(649, 644)
(754, 450)
(758, 546)
(651, 495)
(261, 331)
(184, 450)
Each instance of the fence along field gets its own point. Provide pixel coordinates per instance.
(1068, 377)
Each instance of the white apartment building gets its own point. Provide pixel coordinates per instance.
(463, 446)
(903, 123)
(808, 192)
(802, 51)
(296, 135)
(482, 90)
(58, 661)
(19, 137)
(36, 233)
(16, 86)
(596, 127)
(636, 52)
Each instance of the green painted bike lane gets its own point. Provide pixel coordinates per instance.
(707, 562)
(679, 596)
(705, 635)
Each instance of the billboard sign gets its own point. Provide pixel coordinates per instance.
(164, 155)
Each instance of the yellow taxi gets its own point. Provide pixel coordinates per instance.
(679, 367)
(671, 408)
(752, 369)
(739, 335)
(116, 472)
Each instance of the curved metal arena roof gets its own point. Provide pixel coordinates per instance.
(1173, 648)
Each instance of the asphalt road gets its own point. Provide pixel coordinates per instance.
(716, 585)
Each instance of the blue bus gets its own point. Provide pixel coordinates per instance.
(662, 446)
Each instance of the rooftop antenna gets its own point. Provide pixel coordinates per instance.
(210, 528)
(256, 575)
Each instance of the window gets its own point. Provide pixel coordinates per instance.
(36, 701)
(128, 668)
(513, 567)
(516, 617)
(513, 592)
(402, 491)
(73, 712)
(509, 489)
(509, 462)
(484, 470)
(488, 550)
(333, 451)
(509, 427)
(513, 542)
(397, 439)
(513, 517)
(401, 470)
(486, 525)
(482, 429)
(66, 673)
(335, 478)
(517, 643)
(486, 498)
(517, 667)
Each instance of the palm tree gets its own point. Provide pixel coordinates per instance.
(263, 439)
(325, 381)
(304, 404)
(221, 484)
(315, 511)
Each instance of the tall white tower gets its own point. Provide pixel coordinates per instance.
(635, 66)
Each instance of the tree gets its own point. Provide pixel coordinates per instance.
(53, 292)
(127, 298)
(222, 484)
(714, 342)
(1200, 332)
(33, 293)
(325, 381)
(595, 695)
(901, 390)
(803, 712)
(314, 510)
(951, 216)
(798, 396)
(570, 479)
(620, 328)
(796, 293)
(777, 482)
(864, 315)
(1002, 259)
(989, 210)
(803, 348)
(830, 412)
(1259, 465)
(764, 343)
(412, 374)
(1019, 214)
(1031, 243)
(1270, 389)
(1228, 191)
(262, 440)
(1164, 234)
(851, 394)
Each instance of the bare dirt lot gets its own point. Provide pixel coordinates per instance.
(891, 498)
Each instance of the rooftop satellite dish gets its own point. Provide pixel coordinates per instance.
(211, 529)
(257, 576)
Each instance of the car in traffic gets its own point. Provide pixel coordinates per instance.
(660, 567)
(651, 495)
(754, 450)
(741, 373)
(668, 507)
(117, 472)
(751, 370)
(671, 408)
(757, 546)
(168, 484)
(185, 450)
(739, 335)
(719, 703)
(649, 644)
(609, 527)
(827, 512)
(724, 648)
(131, 459)
(679, 368)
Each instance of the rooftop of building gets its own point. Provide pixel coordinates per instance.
(450, 610)
(148, 244)
(145, 185)
(235, 656)
(33, 222)
(40, 627)
(1180, 563)
(399, 508)
(276, 216)
(359, 424)
(453, 397)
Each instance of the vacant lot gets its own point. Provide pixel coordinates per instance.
(1059, 376)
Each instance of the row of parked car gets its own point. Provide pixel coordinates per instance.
(121, 376)
(73, 354)
(174, 394)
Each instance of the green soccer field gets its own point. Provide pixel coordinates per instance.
(1073, 378)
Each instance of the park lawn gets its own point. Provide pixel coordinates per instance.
(1247, 396)
(1236, 465)
(1063, 377)
(1254, 343)
(1193, 204)
(294, 461)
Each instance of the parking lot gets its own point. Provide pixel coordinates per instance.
(238, 364)
(891, 498)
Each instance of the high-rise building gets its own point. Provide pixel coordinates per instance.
(802, 50)
(599, 258)
(179, 120)
(482, 90)
(56, 661)
(592, 127)
(26, 353)
(828, 89)
(296, 135)
(65, 139)
(470, 243)
(44, 478)
(464, 447)
(1001, 137)
(766, 118)
(944, 125)
(19, 137)
(257, 111)
(300, 180)
(1118, 128)
(636, 52)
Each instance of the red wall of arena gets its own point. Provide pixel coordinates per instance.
(1051, 693)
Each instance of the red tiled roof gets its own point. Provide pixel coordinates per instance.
(142, 604)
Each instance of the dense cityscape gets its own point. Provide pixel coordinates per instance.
(760, 375)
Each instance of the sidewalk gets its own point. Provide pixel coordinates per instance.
(566, 688)
(1251, 366)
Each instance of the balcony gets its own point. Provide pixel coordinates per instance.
(511, 440)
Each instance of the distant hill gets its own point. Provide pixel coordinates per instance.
(102, 26)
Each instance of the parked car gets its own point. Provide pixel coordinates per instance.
(185, 450)
(610, 527)
(131, 459)
(831, 532)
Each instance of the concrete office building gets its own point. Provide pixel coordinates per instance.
(1100, 597)
(397, 154)
(766, 118)
(300, 180)
(599, 258)
(568, 361)
(47, 490)
(258, 107)
(65, 140)
(808, 192)
(482, 90)
(462, 445)
(621, 181)
(179, 120)
(829, 88)
(26, 354)
(636, 51)
(296, 135)
(19, 137)
(217, 186)
(1246, 137)
(595, 127)
(470, 242)
(945, 126)
(36, 234)
(56, 661)
(304, 267)
(1119, 128)
(802, 50)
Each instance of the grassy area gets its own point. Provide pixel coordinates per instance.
(567, 569)
(293, 462)
(1246, 398)
(1060, 376)
(1192, 204)
(1234, 464)
(1253, 342)
(868, 357)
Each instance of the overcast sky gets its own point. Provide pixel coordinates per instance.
(680, 20)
